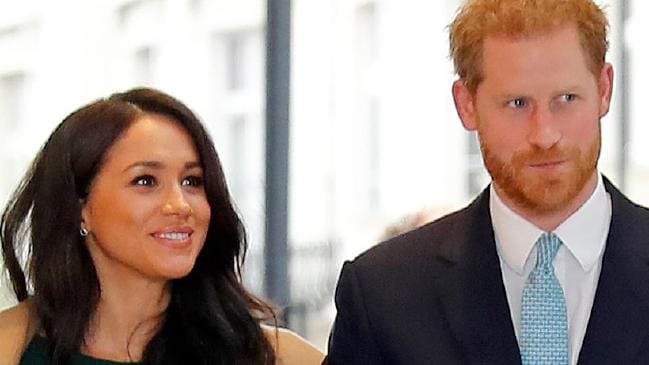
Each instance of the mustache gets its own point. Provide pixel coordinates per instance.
(539, 156)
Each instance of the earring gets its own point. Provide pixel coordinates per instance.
(83, 232)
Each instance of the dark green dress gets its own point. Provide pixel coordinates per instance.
(38, 350)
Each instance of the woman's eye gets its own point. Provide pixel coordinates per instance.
(193, 181)
(146, 180)
(517, 103)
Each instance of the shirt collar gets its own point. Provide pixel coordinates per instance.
(515, 236)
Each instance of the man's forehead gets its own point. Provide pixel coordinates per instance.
(538, 31)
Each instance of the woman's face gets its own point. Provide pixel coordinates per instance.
(147, 212)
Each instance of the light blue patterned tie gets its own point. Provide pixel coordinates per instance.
(544, 323)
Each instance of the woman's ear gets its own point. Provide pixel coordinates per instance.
(85, 215)
(464, 105)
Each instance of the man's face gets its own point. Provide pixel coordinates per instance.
(537, 113)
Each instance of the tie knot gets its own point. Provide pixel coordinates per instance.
(547, 247)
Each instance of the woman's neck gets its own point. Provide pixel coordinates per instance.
(128, 314)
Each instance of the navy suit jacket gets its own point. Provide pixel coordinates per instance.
(436, 295)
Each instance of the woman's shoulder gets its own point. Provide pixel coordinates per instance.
(15, 321)
(292, 349)
(17, 326)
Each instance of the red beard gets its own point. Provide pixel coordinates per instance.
(537, 192)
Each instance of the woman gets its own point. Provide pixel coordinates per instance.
(135, 248)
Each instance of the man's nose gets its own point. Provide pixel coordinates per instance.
(543, 129)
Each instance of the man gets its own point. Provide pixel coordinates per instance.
(550, 264)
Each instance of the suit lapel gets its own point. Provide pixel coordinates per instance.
(475, 302)
(619, 321)
(474, 297)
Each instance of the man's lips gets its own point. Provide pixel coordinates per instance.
(547, 164)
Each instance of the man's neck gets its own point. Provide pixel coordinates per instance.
(550, 220)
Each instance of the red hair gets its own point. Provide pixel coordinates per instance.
(478, 19)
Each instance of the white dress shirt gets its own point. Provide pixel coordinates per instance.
(577, 264)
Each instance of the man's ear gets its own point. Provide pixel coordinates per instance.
(605, 88)
(464, 105)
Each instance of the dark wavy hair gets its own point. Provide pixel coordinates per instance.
(211, 318)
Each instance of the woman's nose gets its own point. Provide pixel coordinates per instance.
(176, 204)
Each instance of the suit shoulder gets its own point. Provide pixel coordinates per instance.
(419, 244)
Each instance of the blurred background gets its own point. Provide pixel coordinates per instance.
(372, 142)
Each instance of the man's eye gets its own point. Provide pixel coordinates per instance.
(145, 180)
(517, 103)
(568, 97)
(193, 181)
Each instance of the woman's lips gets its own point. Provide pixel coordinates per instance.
(174, 237)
